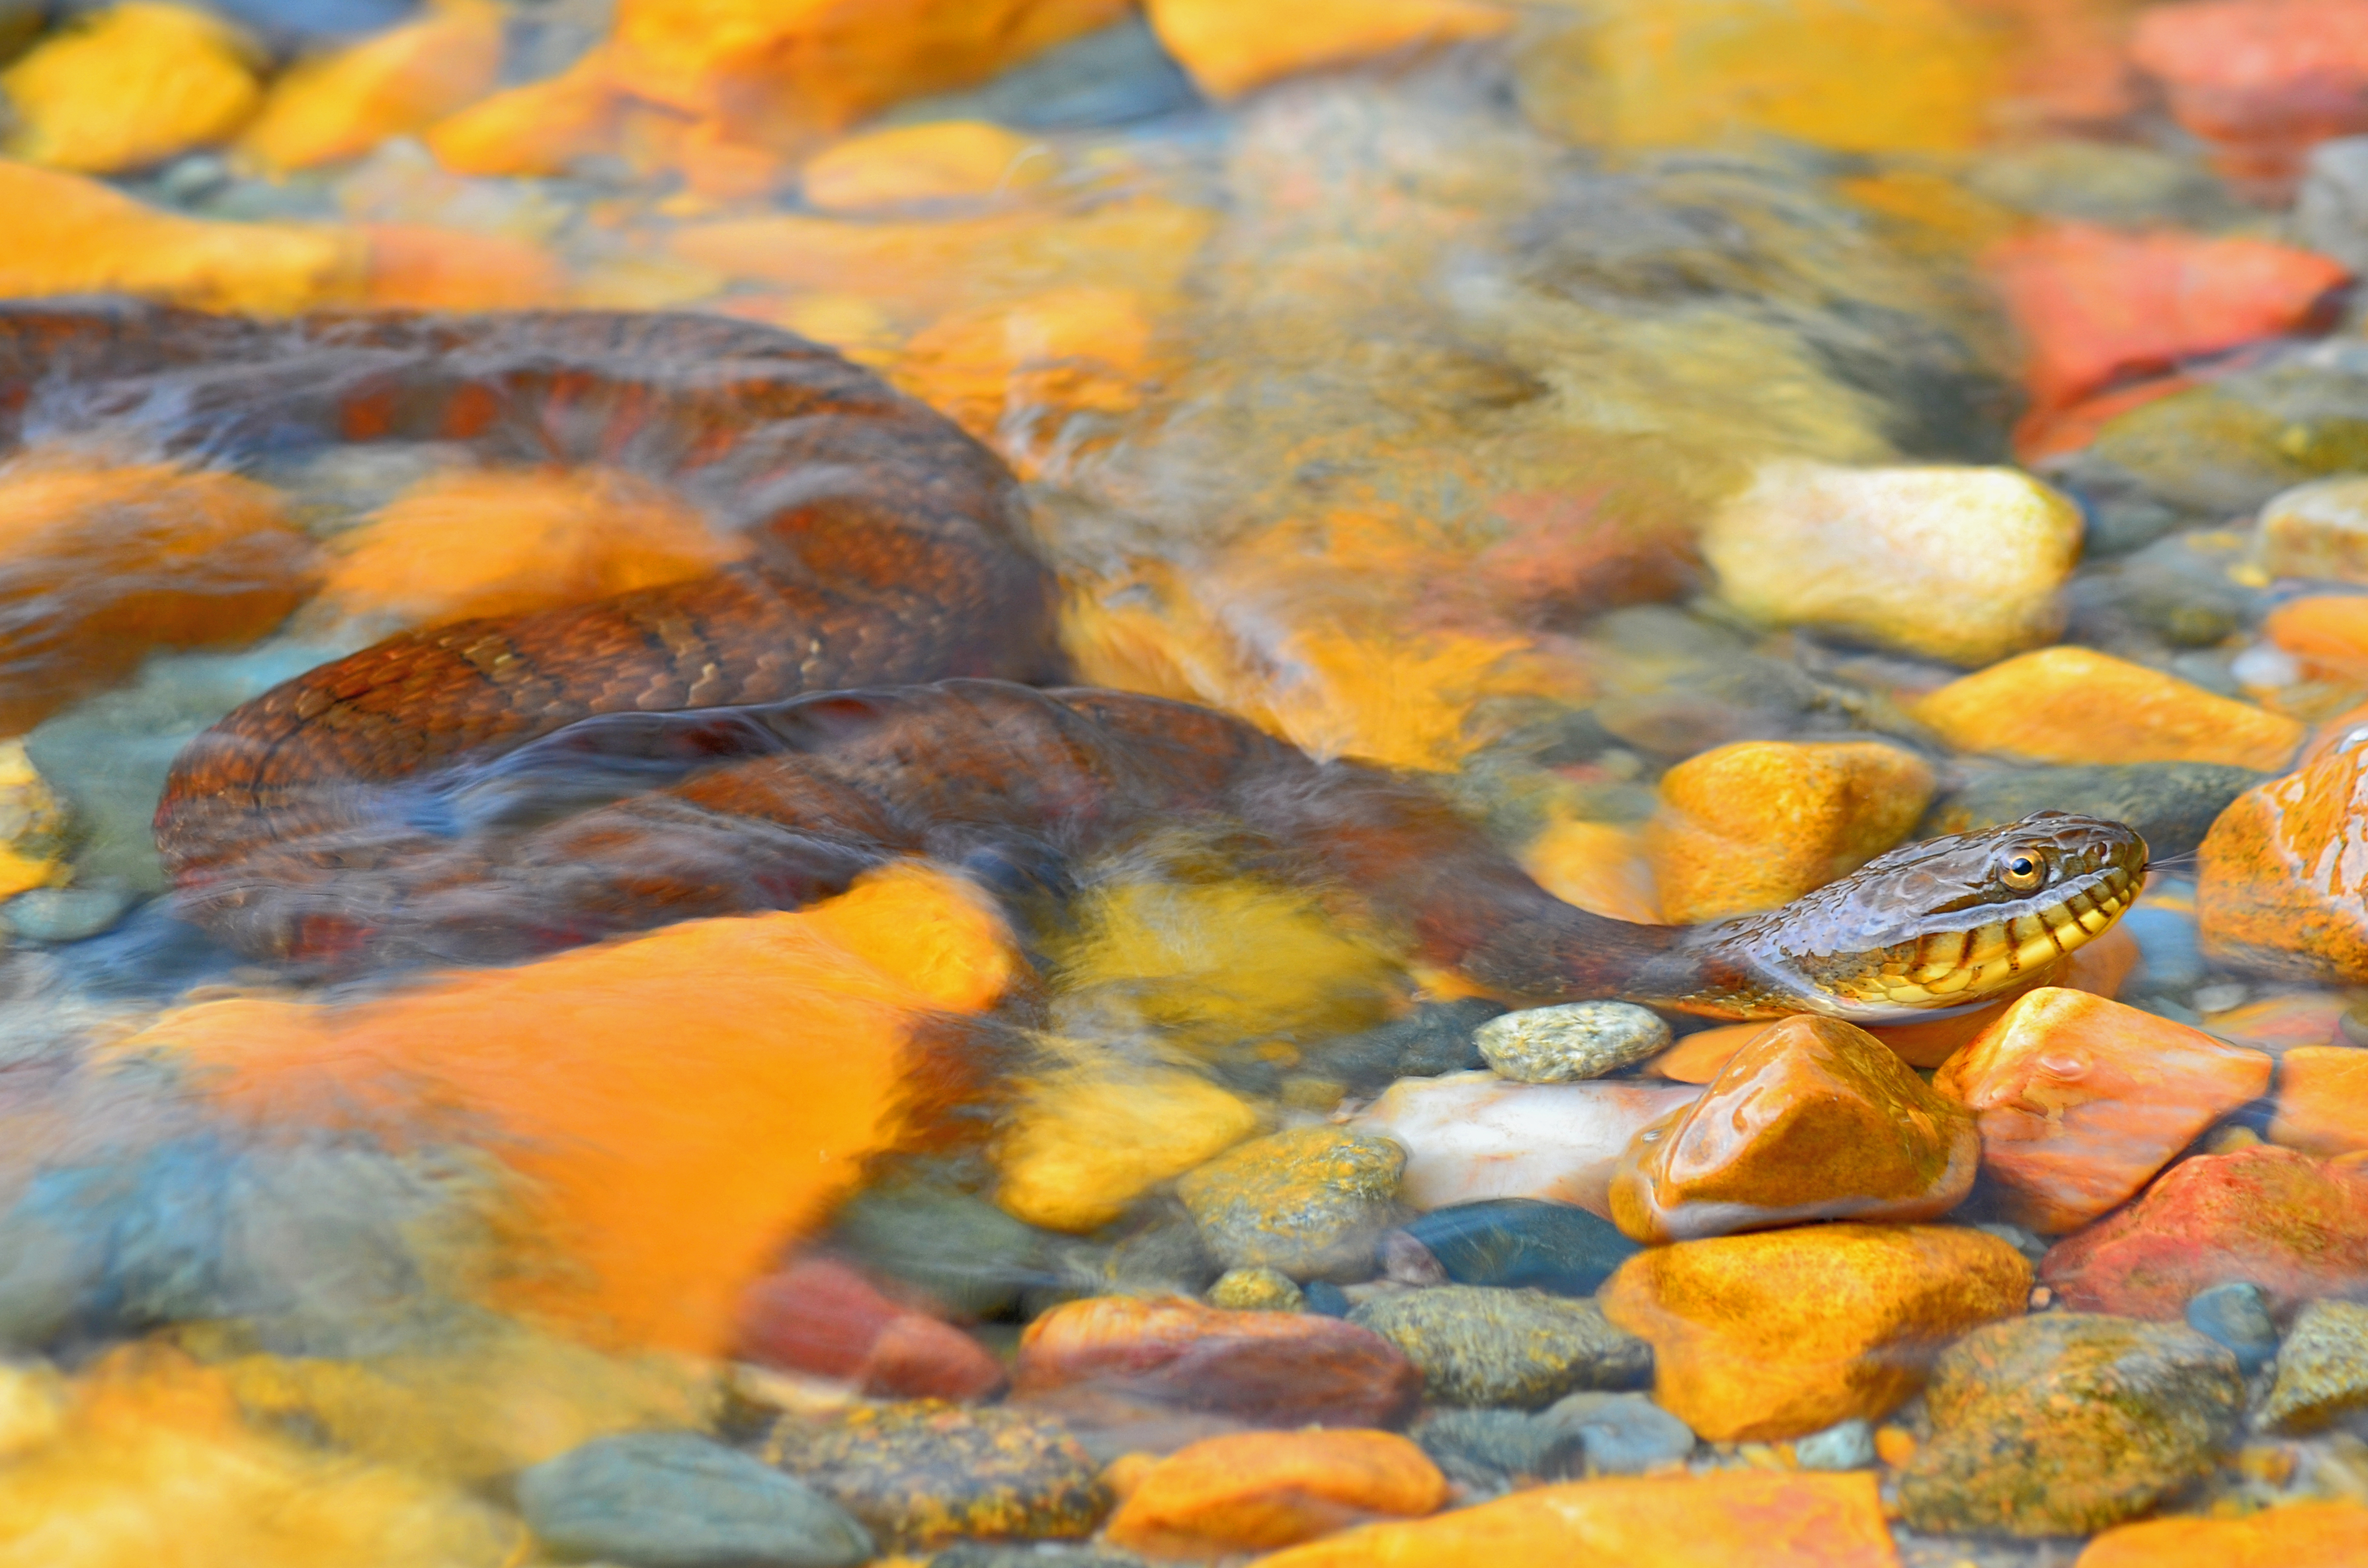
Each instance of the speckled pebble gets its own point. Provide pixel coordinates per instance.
(1621, 1434)
(2322, 1368)
(1256, 1291)
(2237, 1315)
(1309, 1202)
(1490, 1449)
(1570, 1043)
(1477, 1345)
(1846, 1444)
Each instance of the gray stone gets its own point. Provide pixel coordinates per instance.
(1571, 1041)
(1489, 1448)
(2067, 1424)
(2173, 593)
(1520, 1349)
(1256, 1291)
(1846, 1444)
(2237, 1315)
(2330, 212)
(1115, 76)
(2171, 804)
(1521, 1242)
(64, 914)
(1310, 1201)
(1621, 1434)
(677, 1500)
(2322, 1368)
(956, 1245)
(1033, 1554)
(1435, 1037)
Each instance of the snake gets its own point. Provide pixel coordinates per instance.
(878, 679)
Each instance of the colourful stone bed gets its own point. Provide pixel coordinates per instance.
(1711, 443)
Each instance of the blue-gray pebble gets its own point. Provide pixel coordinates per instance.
(2237, 1315)
(1847, 1445)
(1619, 1434)
(677, 1500)
(1523, 1242)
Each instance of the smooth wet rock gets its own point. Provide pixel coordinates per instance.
(821, 1317)
(2169, 947)
(1814, 1119)
(1083, 1145)
(1278, 1369)
(1846, 1444)
(2065, 1424)
(1256, 1291)
(2171, 804)
(2259, 81)
(2320, 530)
(954, 1245)
(921, 1472)
(2303, 1535)
(341, 103)
(2322, 1368)
(1521, 1243)
(1618, 1434)
(944, 160)
(1780, 1333)
(1757, 824)
(1309, 1202)
(1431, 1038)
(2237, 1316)
(1231, 46)
(1955, 563)
(2322, 1105)
(1258, 1490)
(1484, 1346)
(2075, 705)
(2331, 211)
(1489, 1450)
(129, 86)
(1472, 1136)
(2082, 1100)
(33, 829)
(2294, 1226)
(1572, 1041)
(2276, 890)
(1684, 1521)
(1117, 74)
(677, 1500)
(64, 914)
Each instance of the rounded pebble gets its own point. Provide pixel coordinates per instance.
(1846, 1444)
(1570, 1043)
(677, 1500)
(1621, 1434)
(1477, 1345)
(1256, 1291)
(2237, 1315)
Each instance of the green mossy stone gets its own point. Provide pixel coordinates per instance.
(1479, 1346)
(2322, 1368)
(1308, 1202)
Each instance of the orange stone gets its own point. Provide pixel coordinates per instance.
(2303, 1535)
(1769, 1519)
(941, 160)
(129, 86)
(2278, 1024)
(417, 266)
(1601, 868)
(100, 566)
(2082, 1100)
(1814, 1119)
(72, 235)
(627, 1084)
(1231, 46)
(2282, 887)
(1010, 374)
(2322, 1105)
(1703, 1055)
(340, 105)
(1757, 824)
(2326, 634)
(1778, 1333)
(2097, 304)
(466, 544)
(1257, 1491)
(2075, 705)
(537, 130)
(2259, 81)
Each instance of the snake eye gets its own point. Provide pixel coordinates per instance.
(2023, 870)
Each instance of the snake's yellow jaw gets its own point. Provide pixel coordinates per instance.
(1942, 926)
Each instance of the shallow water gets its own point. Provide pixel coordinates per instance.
(1639, 430)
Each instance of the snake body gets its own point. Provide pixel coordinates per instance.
(874, 682)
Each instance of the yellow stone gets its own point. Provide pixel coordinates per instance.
(1011, 374)
(1956, 564)
(32, 826)
(1778, 1333)
(341, 105)
(1905, 76)
(2075, 705)
(944, 160)
(1598, 866)
(129, 86)
(72, 235)
(1231, 46)
(1084, 1144)
(1757, 824)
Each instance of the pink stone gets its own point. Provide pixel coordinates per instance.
(824, 1318)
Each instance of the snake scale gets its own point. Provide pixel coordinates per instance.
(878, 679)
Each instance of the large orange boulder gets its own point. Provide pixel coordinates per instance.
(2280, 885)
(1814, 1119)
(1780, 1333)
(2082, 1100)
(1257, 1491)
(1716, 1520)
(2075, 705)
(674, 1106)
(129, 86)
(2303, 1535)
(100, 565)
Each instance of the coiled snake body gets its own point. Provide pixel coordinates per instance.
(758, 737)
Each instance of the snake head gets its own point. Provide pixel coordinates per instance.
(1944, 924)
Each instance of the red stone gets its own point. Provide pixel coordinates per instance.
(2262, 80)
(2296, 1226)
(824, 1318)
(1274, 1368)
(917, 1356)
(2097, 305)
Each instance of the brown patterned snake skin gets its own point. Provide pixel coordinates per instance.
(750, 739)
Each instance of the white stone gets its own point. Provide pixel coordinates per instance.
(1470, 1136)
(1571, 1041)
(2320, 530)
(1956, 564)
